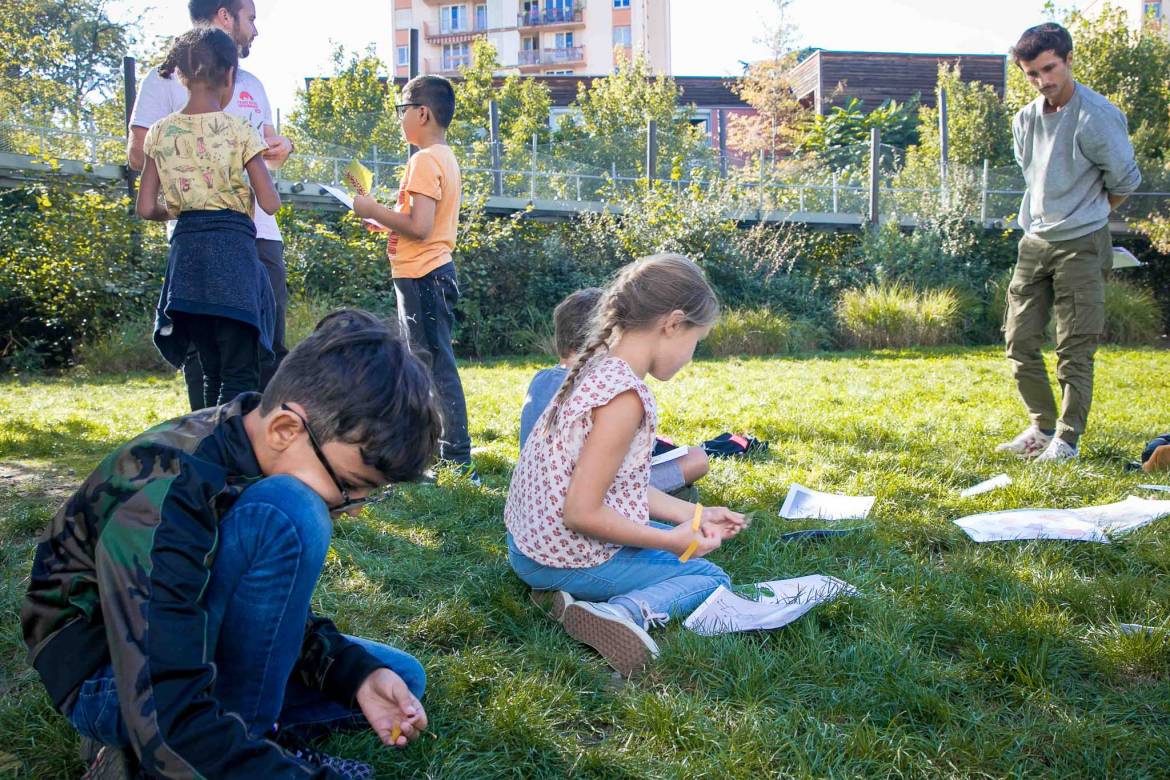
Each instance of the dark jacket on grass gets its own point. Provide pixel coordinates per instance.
(118, 578)
(213, 269)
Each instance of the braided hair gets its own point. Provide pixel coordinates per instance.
(641, 294)
(203, 54)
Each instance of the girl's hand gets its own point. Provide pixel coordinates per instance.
(363, 206)
(722, 521)
(681, 537)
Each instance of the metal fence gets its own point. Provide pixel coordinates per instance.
(550, 172)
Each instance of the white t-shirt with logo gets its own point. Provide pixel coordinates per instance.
(159, 97)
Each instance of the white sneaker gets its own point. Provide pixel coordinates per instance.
(1028, 444)
(1057, 450)
(610, 631)
(552, 602)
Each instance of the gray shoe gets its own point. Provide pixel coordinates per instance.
(1028, 444)
(610, 631)
(106, 762)
(552, 602)
(1057, 451)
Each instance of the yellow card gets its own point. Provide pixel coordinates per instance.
(359, 177)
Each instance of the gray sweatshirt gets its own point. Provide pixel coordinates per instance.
(1072, 159)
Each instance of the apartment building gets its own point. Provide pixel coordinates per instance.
(535, 37)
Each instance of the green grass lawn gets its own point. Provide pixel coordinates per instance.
(954, 660)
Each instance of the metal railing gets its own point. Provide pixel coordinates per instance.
(549, 173)
(535, 18)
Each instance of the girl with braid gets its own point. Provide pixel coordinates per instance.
(208, 168)
(579, 506)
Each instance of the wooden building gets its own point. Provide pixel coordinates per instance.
(828, 78)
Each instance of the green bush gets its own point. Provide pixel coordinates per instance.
(71, 262)
(1132, 314)
(127, 346)
(760, 332)
(897, 315)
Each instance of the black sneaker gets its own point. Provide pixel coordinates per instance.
(348, 768)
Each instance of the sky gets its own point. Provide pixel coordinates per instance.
(296, 36)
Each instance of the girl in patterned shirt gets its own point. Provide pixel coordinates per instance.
(208, 168)
(580, 502)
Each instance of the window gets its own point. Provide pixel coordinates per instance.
(530, 43)
(453, 18)
(403, 56)
(563, 40)
(621, 36)
(481, 17)
(456, 55)
(621, 3)
(558, 73)
(1152, 10)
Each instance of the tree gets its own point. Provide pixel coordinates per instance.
(523, 103)
(841, 137)
(350, 112)
(608, 125)
(776, 128)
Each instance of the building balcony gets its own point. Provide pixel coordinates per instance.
(564, 18)
(445, 33)
(446, 66)
(535, 59)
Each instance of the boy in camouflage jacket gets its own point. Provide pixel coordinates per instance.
(168, 608)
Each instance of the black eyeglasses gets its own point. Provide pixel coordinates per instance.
(400, 108)
(347, 503)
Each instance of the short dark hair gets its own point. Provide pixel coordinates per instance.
(1049, 36)
(434, 92)
(204, 54)
(203, 11)
(360, 384)
(571, 319)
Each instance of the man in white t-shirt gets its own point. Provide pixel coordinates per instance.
(158, 97)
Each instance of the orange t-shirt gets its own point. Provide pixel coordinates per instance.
(433, 172)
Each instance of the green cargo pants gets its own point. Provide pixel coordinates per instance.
(1068, 277)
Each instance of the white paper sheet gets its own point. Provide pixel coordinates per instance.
(1087, 524)
(803, 503)
(1015, 524)
(986, 486)
(780, 602)
(1137, 628)
(669, 455)
(343, 196)
(1125, 515)
(1123, 258)
(1163, 488)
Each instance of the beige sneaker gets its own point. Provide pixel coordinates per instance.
(610, 631)
(1058, 450)
(552, 602)
(1028, 444)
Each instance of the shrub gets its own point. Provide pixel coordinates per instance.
(125, 347)
(897, 315)
(1132, 314)
(760, 332)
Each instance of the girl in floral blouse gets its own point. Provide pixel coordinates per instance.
(580, 502)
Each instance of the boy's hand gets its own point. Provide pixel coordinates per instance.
(363, 206)
(389, 706)
(722, 521)
(681, 535)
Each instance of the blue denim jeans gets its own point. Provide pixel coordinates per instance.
(639, 580)
(272, 546)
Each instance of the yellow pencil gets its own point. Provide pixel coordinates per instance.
(695, 523)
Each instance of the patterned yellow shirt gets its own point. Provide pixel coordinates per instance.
(200, 160)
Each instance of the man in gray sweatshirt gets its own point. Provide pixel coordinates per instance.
(1073, 146)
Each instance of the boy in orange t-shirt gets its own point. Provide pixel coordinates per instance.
(422, 229)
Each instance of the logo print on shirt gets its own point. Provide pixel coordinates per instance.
(245, 100)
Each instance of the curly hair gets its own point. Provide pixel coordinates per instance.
(205, 54)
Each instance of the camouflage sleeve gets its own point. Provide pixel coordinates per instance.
(331, 663)
(152, 568)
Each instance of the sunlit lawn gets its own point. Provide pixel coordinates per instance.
(955, 659)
